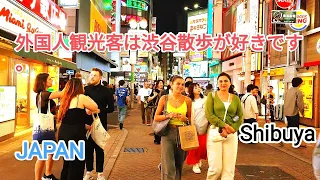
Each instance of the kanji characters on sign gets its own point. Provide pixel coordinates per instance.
(167, 42)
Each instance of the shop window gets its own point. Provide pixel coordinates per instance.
(4, 70)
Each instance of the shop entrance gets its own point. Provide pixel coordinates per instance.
(21, 80)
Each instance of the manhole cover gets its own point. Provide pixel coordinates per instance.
(134, 150)
(263, 172)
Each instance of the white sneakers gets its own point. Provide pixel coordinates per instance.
(196, 168)
(88, 176)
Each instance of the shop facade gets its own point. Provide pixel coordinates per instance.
(233, 67)
(18, 70)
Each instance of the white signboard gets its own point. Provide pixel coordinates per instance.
(198, 24)
(254, 16)
(14, 20)
(241, 19)
(7, 103)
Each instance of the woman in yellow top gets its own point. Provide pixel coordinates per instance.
(179, 113)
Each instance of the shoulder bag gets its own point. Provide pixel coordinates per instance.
(160, 127)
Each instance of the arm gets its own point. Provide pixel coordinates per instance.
(254, 106)
(88, 103)
(189, 106)
(159, 116)
(55, 95)
(211, 117)
(236, 125)
(300, 102)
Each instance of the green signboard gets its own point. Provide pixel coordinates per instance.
(137, 4)
(283, 17)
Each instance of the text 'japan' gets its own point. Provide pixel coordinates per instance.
(167, 42)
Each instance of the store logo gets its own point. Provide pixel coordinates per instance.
(284, 4)
(318, 46)
(18, 68)
(302, 21)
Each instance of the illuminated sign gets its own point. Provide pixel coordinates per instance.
(198, 24)
(303, 21)
(137, 4)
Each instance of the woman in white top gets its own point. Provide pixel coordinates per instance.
(198, 118)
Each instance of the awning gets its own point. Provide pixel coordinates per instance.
(113, 64)
(46, 58)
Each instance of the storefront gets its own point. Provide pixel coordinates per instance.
(19, 69)
(233, 67)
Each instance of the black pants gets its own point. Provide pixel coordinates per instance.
(72, 170)
(293, 121)
(90, 147)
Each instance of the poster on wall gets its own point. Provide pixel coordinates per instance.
(199, 69)
(307, 91)
(7, 103)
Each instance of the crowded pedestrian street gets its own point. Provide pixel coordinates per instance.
(124, 161)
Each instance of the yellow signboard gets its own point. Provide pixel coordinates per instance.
(97, 22)
(274, 72)
(307, 90)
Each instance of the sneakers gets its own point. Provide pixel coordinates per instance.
(196, 168)
(50, 177)
(101, 177)
(121, 126)
(159, 167)
(88, 177)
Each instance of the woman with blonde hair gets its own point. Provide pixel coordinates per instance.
(72, 116)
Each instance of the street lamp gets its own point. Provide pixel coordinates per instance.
(196, 6)
(187, 8)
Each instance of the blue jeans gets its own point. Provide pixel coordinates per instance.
(122, 113)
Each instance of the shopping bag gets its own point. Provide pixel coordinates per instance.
(99, 135)
(43, 124)
(188, 137)
(160, 127)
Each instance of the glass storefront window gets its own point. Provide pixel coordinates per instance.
(4, 70)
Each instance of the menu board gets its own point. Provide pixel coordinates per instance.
(307, 90)
(7, 103)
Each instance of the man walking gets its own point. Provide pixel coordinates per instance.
(104, 99)
(122, 97)
(142, 99)
(249, 104)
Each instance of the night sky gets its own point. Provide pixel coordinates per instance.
(169, 12)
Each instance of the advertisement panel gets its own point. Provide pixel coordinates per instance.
(199, 69)
(7, 103)
(196, 56)
(97, 22)
(138, 4)
(15, 20)
(197, 23)
(47, 10)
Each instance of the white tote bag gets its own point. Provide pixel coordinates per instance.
(98, 133)
(199, 118)
(43, 124)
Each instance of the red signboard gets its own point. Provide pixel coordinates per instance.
(284, 4)
(47, 10)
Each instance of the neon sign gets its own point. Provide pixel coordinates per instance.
(137, 4)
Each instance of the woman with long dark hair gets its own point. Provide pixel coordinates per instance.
(224, 112)
(42, 83)
(198, 114)
(178, 109)
(72, 116)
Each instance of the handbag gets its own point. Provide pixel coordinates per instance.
(43, 124)
(200, 121)
(98, 134)
(188, 137)
(213, 131)
(160, 127)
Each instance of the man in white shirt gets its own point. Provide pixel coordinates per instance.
(249, 104)
(142, 96)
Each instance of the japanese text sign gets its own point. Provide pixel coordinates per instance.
(167, 42)
(15, 20)
(197, 24)
(137, 4)
(283, 17)
(47, 10)
(97, 22)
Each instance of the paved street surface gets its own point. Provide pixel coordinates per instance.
(255, 161)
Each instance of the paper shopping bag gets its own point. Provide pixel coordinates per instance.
(188, 137)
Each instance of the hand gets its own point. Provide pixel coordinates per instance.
(88, 112)
(229, 129)
(139, 102)
(224, 133)
(88, 127)
(170, 115)
(182, 118)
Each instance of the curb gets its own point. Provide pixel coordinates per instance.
(112, 160)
